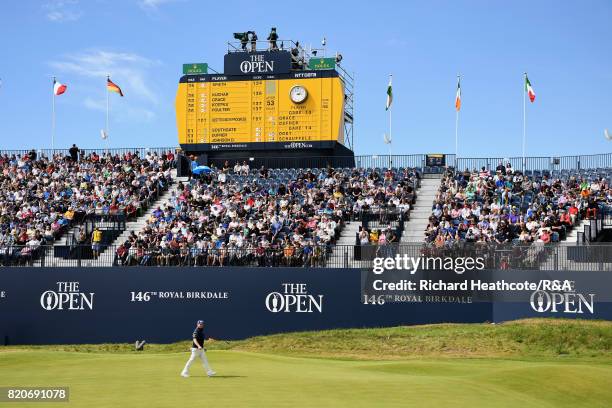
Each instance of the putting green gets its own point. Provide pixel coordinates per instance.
(253, 380)
(529, 363)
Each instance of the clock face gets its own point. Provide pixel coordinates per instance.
(298, 94)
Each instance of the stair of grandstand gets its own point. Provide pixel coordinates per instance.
(72, 232)
(349, 253)
(582, 249)
(67, 252)
(572, 236)
(414, 230)
(349, 233)
(342, 254)
(139, 223)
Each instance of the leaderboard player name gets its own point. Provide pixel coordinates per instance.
(440, 285)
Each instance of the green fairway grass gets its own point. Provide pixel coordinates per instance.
(534, 363)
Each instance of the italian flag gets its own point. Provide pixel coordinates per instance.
(58, 88)
(458, 96)
(529, 89)
(389, 94)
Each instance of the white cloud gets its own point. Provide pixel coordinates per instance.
(130, 71)
(123, 114)
(60, 17)
(139, 114)
(95, 104)
(60, 11)
(151, 5)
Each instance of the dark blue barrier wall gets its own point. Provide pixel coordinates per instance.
(45, 305)
(116, 317)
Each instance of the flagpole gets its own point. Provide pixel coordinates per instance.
(390, 157)
(457, 124)
(53, 119)
(456, 135)
(391, 139)
(524, 118)
(107, 110)
(390, 135)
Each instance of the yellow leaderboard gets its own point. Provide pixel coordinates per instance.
(298, 107)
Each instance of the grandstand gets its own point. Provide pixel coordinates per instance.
(318, 216)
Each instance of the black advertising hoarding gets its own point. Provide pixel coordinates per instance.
(159, 305)
(255, 63)
(95, 305)
(308, 145)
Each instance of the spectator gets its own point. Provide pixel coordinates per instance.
(74, 152)
(272, 38)
(96, 242)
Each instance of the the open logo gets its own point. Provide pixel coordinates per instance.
(294, 298)
(565, 302)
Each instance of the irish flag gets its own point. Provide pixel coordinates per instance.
(389, 94)
(529, 89)
(113, 87)
(458, 97)
(58, 87)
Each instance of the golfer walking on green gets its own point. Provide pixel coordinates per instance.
(198, 350)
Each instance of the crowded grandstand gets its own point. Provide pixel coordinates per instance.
(77, 207)
(505, 205)
(47, 197)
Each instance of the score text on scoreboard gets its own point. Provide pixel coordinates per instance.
(260, 109)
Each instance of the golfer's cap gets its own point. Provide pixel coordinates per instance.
(200, 321)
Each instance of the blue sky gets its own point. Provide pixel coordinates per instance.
(563, 45)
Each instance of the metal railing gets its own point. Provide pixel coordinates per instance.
(139, 151)
(383, 218)
(418, 161)
(551, 163)
(386, 161)
(532, 257)
(383, 162)
(305, 162)
(263, 45)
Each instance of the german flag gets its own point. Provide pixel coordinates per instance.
(113, 87)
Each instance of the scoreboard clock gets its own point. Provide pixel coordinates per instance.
(298, 94)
